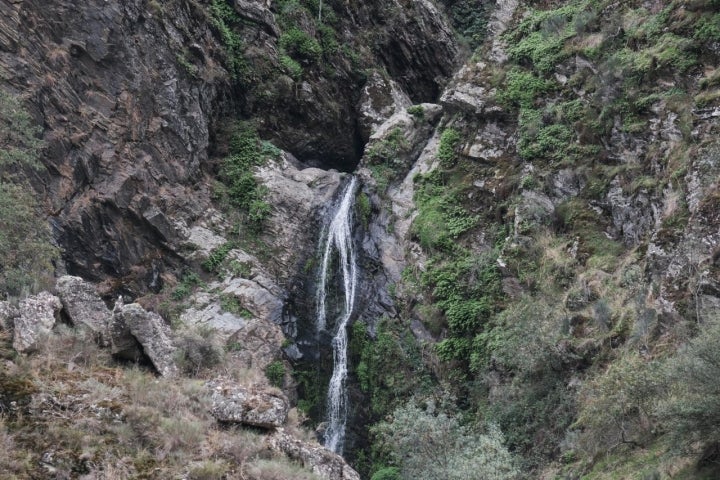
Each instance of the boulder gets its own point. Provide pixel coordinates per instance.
(84, 306)
(36, 318)
(322, 462)
(135, 331)
(232, 403)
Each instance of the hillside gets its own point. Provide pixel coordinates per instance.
(444, 239)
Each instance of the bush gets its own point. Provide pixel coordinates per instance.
(19, 137)
(691, 413)
(447, 150)
(387, 473)
(435, 446)
(225, 21)
(26, 251)
(521, 88)
(275, 373)
(291, 67)
(618, 404)
(198, 349)
(236, 172)
(300, 46)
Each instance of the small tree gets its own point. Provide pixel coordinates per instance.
(434, 446)
(691, 412)
(26, 252)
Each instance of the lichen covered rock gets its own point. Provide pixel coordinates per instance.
(36, 318)
(232, 403)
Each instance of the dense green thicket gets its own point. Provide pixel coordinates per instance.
(432, 445)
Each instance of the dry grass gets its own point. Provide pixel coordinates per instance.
(88, 417)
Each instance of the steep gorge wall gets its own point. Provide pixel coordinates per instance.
(130, 97)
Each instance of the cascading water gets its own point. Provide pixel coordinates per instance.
(339, 238)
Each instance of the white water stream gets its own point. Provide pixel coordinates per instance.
(339, 239)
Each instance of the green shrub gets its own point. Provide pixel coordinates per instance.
(291, 67)
(618, 404)
(275, 373)
(185, 287)
(26, 251)
(19, 136)
(236, 172)
(225, 20)
(707, 28)
(387, 473)
(435, 446)
(300, 46)
(417, 111)
(521, 88)
(217, 256)
(364, 209)
(447, 150)
(691, 411)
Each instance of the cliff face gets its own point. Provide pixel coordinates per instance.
(558, 229)
(130, 95)
(538, 223)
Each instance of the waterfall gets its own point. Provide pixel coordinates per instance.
(338, 238)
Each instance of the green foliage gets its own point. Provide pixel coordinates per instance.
(538, 140)
(436, 446)
(387, 473)
(470, 19)
(447, 150)
(364, 209)
(385, 157)
(417, 111)
(291, 67)
(618, 405)
(217, 257)
(534, 407)
(707, 27)
(26, 250)
(226, 22)
(275, 373)
(300, 46)
(387, 150)
(185, 287)
(521, 88)
(20, 143)
(541, 36)
(691, 412)
(229, 303)
(441, 218)
(388, 368)
(242, 189)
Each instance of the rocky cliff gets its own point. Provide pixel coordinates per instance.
(536, 221)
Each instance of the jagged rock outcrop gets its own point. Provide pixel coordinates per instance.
(84, 307)
(259, 407)
(381, 98)
(324, 463)
(35, 319)
(135, 331)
